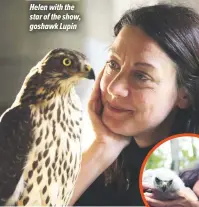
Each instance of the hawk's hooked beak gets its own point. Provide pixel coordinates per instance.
(90, 72)
(91, 75)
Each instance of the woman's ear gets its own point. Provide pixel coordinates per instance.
(182, 100)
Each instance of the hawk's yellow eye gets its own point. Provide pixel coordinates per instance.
(67, 62)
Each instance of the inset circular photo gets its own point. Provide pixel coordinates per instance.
(169, 175)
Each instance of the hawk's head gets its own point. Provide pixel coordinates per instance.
(56, 73)
(65, 64)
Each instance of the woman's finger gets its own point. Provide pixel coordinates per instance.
(96, 89)
(94, 104)
(155, 203)
(188, 194)
(150, 195)
(146, 186)
(181, 202)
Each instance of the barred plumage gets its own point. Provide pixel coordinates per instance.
(40, 146)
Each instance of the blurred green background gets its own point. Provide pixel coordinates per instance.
(177, 154)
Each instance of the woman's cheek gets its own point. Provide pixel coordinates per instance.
(196, 188)
(140, 97)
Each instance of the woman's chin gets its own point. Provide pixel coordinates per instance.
(116, 127)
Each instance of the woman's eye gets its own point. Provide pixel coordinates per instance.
(141, 76)
(157, 180)
(113, 64)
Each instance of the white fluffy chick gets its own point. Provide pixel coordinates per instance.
(164, 183)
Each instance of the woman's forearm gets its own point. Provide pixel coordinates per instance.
(94, 161)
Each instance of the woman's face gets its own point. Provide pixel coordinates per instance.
(196, 188)
(138, 86)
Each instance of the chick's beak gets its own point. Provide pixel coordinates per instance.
(163, 188)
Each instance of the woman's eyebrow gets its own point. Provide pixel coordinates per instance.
(143, 64)
(113, 52)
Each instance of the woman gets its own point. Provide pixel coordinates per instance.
(147, 91)
(191, 179)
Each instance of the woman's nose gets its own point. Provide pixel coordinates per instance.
(118, 86)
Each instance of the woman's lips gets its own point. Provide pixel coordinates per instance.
(116, 109)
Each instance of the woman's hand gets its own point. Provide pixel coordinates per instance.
(104, 150)
(104, 136)
(186, 198)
